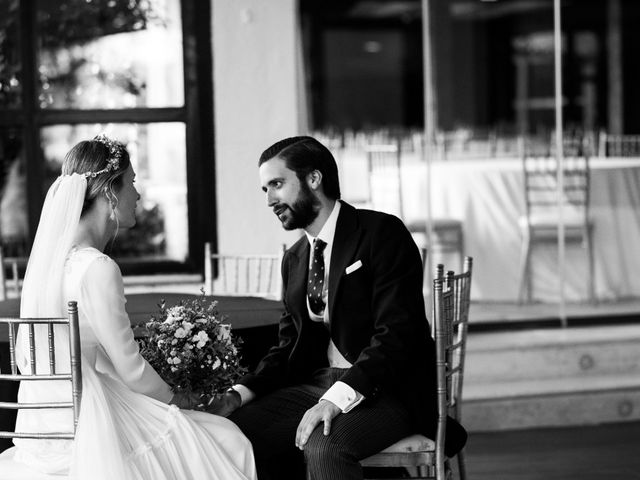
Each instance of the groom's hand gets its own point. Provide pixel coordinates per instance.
(324, 411)
(225, 404)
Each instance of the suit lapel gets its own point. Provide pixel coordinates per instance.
(345, 242)
(298, 273)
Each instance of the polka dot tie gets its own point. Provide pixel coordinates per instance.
(316, 278)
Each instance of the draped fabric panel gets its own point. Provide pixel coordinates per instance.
(488, 196)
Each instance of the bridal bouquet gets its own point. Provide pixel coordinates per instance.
(192, 349)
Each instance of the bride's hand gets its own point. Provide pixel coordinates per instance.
(187, 401)
(224, 404)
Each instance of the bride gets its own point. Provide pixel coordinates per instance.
(130, 424)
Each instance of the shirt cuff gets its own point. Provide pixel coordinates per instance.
(343, 396)
(246, 395)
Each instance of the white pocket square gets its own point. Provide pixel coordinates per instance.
(353, 267)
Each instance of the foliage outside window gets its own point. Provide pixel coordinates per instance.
(113, 66)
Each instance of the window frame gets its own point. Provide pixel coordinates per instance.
(196, 114)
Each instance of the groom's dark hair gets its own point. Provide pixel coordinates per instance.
(303, 155)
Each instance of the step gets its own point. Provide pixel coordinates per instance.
(553, 353)
(561, 407)
(552, 377)
(475, 392)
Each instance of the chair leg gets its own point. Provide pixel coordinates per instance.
(525, 281)
(460, 247)
(529, 276)
(425, 472)
(413, 472)
(448, 471)
(590, 258)
(462, 469)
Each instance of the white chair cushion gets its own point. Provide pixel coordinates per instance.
(546, 225)
(413, 443)
(551, 219)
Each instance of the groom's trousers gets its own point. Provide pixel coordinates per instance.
(270, 423)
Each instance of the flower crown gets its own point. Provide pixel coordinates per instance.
(115, 153)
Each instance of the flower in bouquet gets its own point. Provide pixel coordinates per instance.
(192, 349)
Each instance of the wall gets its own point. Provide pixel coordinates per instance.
(255, 104)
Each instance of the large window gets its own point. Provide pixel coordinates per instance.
(467, 181)
(138, 70)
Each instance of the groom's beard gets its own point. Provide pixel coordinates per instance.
(303, 211)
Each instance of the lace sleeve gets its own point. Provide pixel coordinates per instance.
(102, 298)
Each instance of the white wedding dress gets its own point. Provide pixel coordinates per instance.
(126, 429)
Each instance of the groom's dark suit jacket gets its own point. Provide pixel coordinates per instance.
(377, 320)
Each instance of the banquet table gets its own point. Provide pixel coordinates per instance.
(487, 195)
(254, 319)
(241, 312)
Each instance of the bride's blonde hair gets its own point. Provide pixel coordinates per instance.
(103, 162)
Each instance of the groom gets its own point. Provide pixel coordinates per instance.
(354, 368)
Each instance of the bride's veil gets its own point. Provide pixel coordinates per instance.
(43, 296)
(42, 291)
(92, 455)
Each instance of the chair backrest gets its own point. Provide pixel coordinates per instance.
(618, 145)
(243, 274)
(451, 302)
(10, 281)
(74, 376)
(385, 177)
(541, 185)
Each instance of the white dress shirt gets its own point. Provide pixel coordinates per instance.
(340, 394)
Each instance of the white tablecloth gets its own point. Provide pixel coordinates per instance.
(487, 195)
